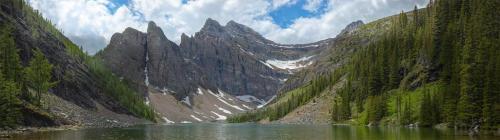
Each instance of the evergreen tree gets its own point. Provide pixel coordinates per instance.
(426, 109)
(9, 103)
(416, 19)
(38, 74)
(10, 63)
(407, 117)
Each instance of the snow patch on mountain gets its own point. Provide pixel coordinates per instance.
(186, 100)
(289, 64)
(268, 101)
(249, 108)
(199, 91)
(267, 64)
(167, 120)
(294, 46)
(223, 110)
(221, 98)
(219, 117)
(196, 118)
(250, 99)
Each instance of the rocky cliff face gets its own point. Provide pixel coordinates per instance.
(166, 68)
(231, 58)
(228, 65)
(127, 56)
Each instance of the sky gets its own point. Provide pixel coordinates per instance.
(91, 23)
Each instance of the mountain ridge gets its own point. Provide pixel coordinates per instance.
(233, 59)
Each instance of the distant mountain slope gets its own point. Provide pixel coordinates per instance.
(306, 96)
(433, 66)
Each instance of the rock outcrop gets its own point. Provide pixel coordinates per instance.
(351, 27)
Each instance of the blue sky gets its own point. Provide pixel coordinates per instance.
(285, 15)
(91, 23)
(282, 16)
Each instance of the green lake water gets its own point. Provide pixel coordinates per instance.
(251, 131)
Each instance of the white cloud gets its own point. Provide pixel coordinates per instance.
(278, 3)
(312, 5)
(338, 14)
(86, 18)
(86, 21)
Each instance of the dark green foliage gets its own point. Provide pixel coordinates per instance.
(10, 64)
(452, 46)
(407, 113)
(10, 79)
(452, 43)
(342, 104)
(376, 109)
(429, 109)
(9, 103)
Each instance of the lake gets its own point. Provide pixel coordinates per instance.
(250, 131)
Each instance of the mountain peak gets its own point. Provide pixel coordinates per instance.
(151, 24)
(232, 23)
(129, 30)
(351, 27)
(152, 27)
(212, 25)
(355, 23)
(237, 28)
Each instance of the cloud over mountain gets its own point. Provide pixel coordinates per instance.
(87, 22)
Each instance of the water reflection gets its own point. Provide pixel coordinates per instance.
(250, 131)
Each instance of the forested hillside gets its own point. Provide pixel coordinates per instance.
(439, 64)
(38, 60)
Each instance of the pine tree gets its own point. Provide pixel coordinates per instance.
(488, 44)
(9, 103)
(10, 63)
(407, 117)
(416, 19)
(38, 73)
(426, 109)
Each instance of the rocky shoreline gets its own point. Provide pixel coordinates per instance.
(7, 133)
(75, 118)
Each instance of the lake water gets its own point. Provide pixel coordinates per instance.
(250, 131)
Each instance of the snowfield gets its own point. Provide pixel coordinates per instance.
(250, 99)
(167, 120)
(223, 110)
(262, 105)
(220, 117)
(186, 100)
(288, 64)
(196, 118)
(221, 98)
